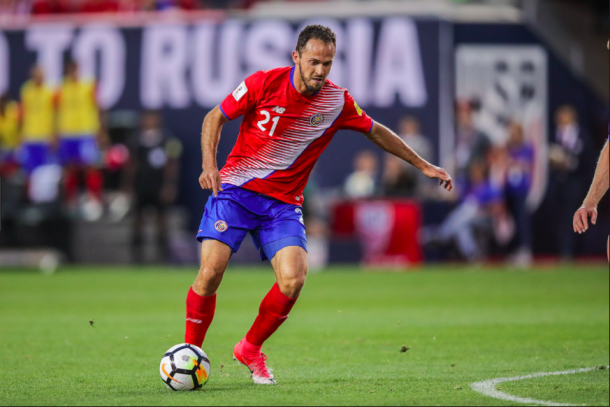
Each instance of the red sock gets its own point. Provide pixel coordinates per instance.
(273, 312)
(199, 315)
(95, 184)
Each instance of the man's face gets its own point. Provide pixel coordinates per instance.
(315, 63)
(151, 121)
(72, 71)
(37, 75)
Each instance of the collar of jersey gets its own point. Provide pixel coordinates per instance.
(292, 72)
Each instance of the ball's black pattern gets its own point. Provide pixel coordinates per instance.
(189, 372)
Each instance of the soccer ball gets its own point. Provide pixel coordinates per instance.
(184, 368)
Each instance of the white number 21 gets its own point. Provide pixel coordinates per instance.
(266, 120)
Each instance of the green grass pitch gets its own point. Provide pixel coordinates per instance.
(340, 346)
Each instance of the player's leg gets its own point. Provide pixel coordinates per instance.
(66, 153)
(88, 157)
(290, 266)
(201, 299)
(223, 228)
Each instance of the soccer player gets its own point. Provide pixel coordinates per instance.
(10, 123)
(38, 126)
(598, 189)
(78, 126)
(152, 178)
(290, 116)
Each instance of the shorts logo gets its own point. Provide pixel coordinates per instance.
(300, 212)
(221, 226)
(316, 120)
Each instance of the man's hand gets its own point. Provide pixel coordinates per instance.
(436, 172)
(581, 218)
(210, 179)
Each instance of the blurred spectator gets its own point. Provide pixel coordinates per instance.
(38, 121)
(78, 127)
(482, 206)
(317, 244)
(519, 173)
(362, 182)
(152, 179)
(471, 145)
(399, 177)
(9, 135)
(568, 173)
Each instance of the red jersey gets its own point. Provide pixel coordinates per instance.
(284, 132)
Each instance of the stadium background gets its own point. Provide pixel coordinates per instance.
(397, 59)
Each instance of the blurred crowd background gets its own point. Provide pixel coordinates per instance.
(91, 183)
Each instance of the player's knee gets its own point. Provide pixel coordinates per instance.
(293, 285)
(208, 280)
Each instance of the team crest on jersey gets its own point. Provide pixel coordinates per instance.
(316, 120)
(221, 226)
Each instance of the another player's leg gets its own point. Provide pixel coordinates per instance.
(201, 299)
(290, 265)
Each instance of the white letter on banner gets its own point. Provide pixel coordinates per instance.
(107, 42)
(211, 89)
(164, 67)
(399, 65)
(268, 45)
(5, 63)
(50, 42)
(359, 59)
(338, 72)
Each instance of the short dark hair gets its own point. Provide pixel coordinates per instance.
(315, 32)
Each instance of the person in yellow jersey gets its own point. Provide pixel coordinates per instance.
(78, 127)
(38, 122)
(10, 123)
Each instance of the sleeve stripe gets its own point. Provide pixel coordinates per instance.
(223, 112)
(372, 125)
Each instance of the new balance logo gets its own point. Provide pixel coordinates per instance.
(195, 321)
(278, 109)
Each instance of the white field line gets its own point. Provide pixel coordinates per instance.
(488, 387)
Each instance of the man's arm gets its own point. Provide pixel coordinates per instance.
(388, 141)
(600, 185)
(210, 137)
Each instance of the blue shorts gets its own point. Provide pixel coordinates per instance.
(34, 155)
(273, 225)
(81, 151)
